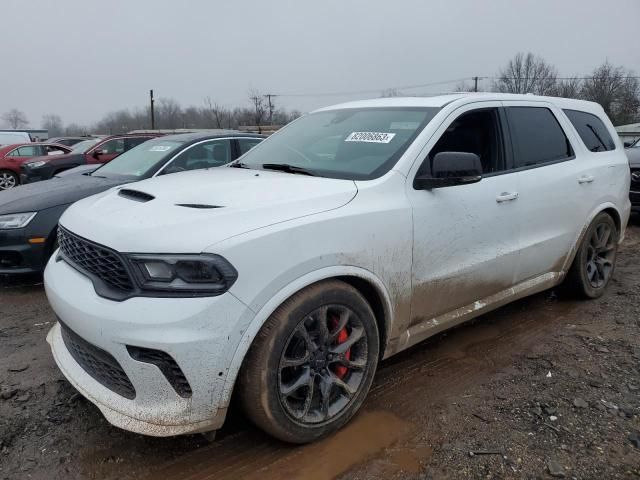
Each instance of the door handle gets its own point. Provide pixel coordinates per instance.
(507, 197)
(585, 179)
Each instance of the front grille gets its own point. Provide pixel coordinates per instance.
(167, 365)
(99, 364)
(95, 259)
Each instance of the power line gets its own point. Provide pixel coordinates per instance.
(377, 90)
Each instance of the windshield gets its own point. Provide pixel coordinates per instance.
(354, 144)
(141, 160)
(83, 146)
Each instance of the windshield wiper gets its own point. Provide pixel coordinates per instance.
(285, 167)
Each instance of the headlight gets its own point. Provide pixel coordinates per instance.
(16, 220)
(188, 275)
(35, 164)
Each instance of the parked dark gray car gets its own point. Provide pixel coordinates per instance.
(633, 153)
(29, 214)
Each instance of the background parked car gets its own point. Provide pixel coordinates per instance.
(13, 156)
(68, 141)
(36, 208)
(633, 154)
(8, 138)
(102, 151)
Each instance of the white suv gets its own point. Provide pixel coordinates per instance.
(350, 235)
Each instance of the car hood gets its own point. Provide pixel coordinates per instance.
(188, 212)
(81, 170)
(34, 197)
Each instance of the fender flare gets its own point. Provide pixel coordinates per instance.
(576, 244)
(262, 315)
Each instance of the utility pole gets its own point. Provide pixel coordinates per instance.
(475, 87)
(269, 96)
(153, 113)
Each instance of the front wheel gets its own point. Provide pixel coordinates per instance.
(8, 180)
(595, 259)
(312, 363)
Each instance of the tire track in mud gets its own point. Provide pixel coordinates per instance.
(409, 384)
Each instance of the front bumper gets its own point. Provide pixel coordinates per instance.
(18, 256)
(32, 175)
(200, 334)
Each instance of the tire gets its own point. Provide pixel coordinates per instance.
(595, 260)
(298, 388)
(8, 180)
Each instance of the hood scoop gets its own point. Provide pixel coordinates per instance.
(197, 205)
(135, 195)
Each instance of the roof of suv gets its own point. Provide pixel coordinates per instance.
(440, 101)
(190, 137)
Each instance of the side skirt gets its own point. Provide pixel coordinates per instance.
(433, 326)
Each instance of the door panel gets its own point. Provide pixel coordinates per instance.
(552, 201)
(465, 237)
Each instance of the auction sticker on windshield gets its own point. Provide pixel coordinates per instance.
(160, 148)
(370, 137)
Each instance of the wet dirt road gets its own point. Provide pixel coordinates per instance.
(475, 389)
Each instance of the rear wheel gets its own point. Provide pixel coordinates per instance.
(8, 180)
(312, 364)
(595, 259)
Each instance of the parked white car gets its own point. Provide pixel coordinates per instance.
(354, 233)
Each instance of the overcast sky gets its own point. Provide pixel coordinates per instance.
(83, 58)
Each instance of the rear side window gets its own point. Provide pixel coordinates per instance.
(247, 144)
(537, 136)
(591, 130)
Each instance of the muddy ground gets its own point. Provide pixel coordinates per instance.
(546, 385)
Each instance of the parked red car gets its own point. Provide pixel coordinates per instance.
(13, 156)
(84, 153)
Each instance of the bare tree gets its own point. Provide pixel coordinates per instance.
(464, 87)
(526, 73)
(617, 90)
(214, 113)
(15, 118)
(169, 113)
(259, 108)
(75, 129)
(390, 92)
(53, 123)
(567, 88)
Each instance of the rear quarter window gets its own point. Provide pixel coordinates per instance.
(537, 136)
(591, 130)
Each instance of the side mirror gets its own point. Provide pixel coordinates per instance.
(449, 169)
(97, 153)
(627, 144)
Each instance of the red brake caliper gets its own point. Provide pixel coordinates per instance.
(341, 370)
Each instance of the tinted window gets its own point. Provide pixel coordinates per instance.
(537, 136)
(247, 144)
(112, 146)
(204, 155)
(474, 132)
(30, 151)
(591, 130)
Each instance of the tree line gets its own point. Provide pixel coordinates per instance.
(616, 88)
(168, 114)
